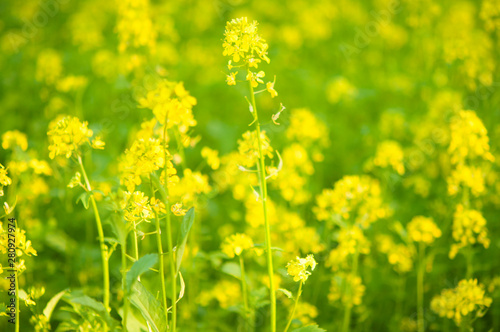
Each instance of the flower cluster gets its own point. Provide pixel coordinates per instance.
(13, 138)
(247, 49)
(248, 147)
(351, 241)
(343, 281)
(356, 199)
(67, 134)
(464, 176)
(423, 229)
(243, 43)
(143, 157)
(5, 180)
(400, 256)
(172, 105)
(297, 268)
(469, 139)
(390, 154)
(235, 244)
(469, 228)
(458, 302)
(134, 27)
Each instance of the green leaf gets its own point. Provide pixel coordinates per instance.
(232, 269)
(187, 223)
(286, 292)
(310, 328)
(150, 308)
(49, 308)
(97, 307)
(85, 198)
(119, 228)
(141, 266)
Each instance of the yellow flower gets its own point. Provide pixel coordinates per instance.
(469, 228)
(297, 268)
(255, 78)
(356, 199)
(137, 207)
(235, 244)
(98, 143)
(66, 135)
(143, 157)
(466, 177)
(13, 138)
(338, 289)
(48, 66)
(231, 78)
(249, 148)
(171, 103)
(4, 179)
(423, 229)
(242, 42)
(40, 167)
(270, 88)
(212, 157)
(390, 153)
(177, 209)
(469, 138)
(458, 302)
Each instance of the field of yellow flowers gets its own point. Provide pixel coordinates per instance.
(250, 166)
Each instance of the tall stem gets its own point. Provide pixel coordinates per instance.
(294, 307)
(16, 285)
(126, 301)
(162, 264)
(347, 313)
(104, 248)
(173, 274)
(420, 286)
(244, 287)
(263, 194)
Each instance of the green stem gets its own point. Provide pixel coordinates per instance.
(469, 255)
(162, 264)
(244, 287)
(420, 286)
(294, 307)
(136, 244)
(173, 274)
(104, 248)
(347, 313)
(263, 194)
(126, 301)
(16, 285)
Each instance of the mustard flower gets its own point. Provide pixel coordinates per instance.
(248, 147)
(171, 103)
(66, 135)
(243, 43)
(469, 138)
(471, 177)
(4, 179)
(177, 209)
(211, 156)
(143, 157)
(356, 199)
(390, 154)
(469, 228)
(423, 229)
(459, 302)
(13, 138)
(235, 244)
(297, 268)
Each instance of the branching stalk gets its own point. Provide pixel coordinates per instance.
(263, 195)
(103, 246)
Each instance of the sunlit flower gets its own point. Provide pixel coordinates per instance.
(297, 268)
(459, 302)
